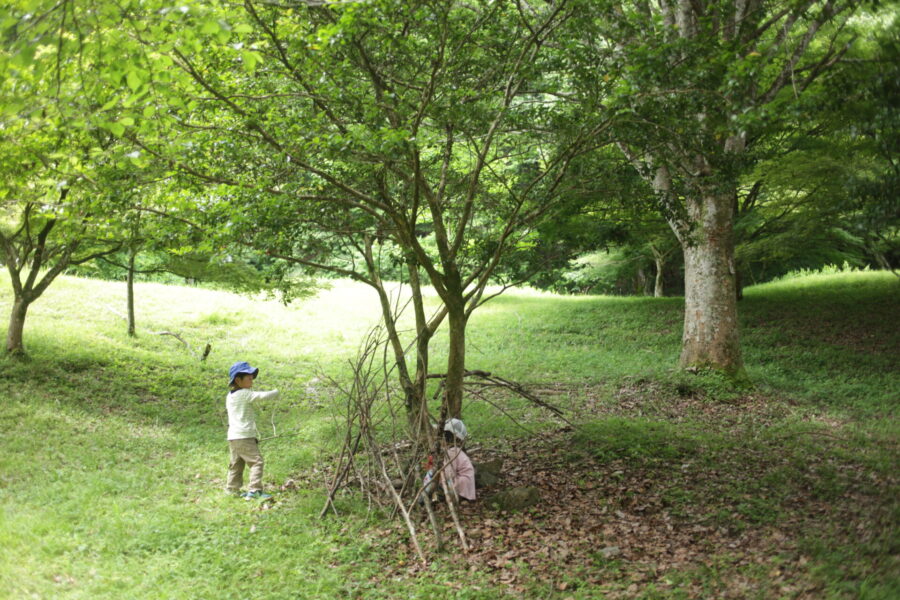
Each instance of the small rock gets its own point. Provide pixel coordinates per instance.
(487, 473)
(610, 551)
(515, 498)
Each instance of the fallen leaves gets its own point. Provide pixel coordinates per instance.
(718, 522)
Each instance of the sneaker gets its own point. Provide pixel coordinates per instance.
(256, 496)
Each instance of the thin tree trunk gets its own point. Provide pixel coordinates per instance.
(456, 360)
(130, 285)
(658, 282)
(387, 313)
(14, 343)
(711, 337)
(417, 407)
(413, 390)
(640, 282)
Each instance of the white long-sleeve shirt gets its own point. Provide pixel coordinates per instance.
(241, 416)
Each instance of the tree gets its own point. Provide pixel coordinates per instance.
(865, 93)
(157, 246)
(350, 125)
(823, 192)
(608, 209)
(59, 170)
(699, 85)
(37, 250)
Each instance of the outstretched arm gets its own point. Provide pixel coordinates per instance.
(272, 395)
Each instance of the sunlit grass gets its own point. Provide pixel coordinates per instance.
(114, 450)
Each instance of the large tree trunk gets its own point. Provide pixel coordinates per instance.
(14, 343)
(711, 338)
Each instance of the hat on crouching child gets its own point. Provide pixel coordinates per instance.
(241, 368)
(457, 428)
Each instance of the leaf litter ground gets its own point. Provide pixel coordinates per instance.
(740, 506)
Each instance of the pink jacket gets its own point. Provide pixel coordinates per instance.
(461, 473)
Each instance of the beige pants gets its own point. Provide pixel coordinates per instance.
(245, 452)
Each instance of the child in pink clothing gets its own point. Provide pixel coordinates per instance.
(459, 471)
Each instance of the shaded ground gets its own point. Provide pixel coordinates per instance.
(686, 498)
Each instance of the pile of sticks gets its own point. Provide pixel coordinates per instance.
(377, 454)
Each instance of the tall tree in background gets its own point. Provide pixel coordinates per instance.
(700, 84)
(866, 93)
(824, 191)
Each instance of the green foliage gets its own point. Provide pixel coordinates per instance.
(826, 270)
(602, 273)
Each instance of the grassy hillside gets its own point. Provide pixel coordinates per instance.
(114, 455)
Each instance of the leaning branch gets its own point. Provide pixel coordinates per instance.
(490, 380)
(200, 357)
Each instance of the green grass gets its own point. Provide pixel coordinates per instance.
(114, 454)
(637, 440)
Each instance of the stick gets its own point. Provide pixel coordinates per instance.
(439, 542)
(495, 381)
(373, 446)
(451, 503)
(339, 476)
(516, 387)
(206, 350)
(283, 435)
(508, 416)
(117, 313)
(474, 372)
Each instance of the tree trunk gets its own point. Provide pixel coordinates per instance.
(711, 338)
(130, 285)
(413, 389)
(455, 305)
(417, 405)
(658, 282)
(641, 282)
(456, 361)
(14, 343)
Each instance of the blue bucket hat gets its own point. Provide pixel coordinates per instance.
(240, 368)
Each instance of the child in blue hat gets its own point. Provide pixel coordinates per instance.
(243, 437)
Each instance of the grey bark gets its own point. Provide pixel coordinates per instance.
(658, 281)
(14, 343)
(711, 334)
